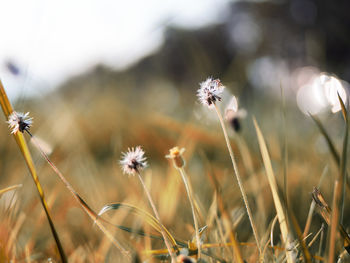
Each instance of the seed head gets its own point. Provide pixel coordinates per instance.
(209, 92)
(176, 155)
(133, 161)
(19, 122)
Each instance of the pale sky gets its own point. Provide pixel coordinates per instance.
(52, 40)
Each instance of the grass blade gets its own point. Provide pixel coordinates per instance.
(331, 146)
(151, 220)
(226, 218)
(339, 189)
(325, 212)
(238, 179)
(343, 175)
(91, 213)
(4, 190)
(7, 109)
(273, 185)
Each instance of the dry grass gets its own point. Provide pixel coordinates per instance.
(86, 134)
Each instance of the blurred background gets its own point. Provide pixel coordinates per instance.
(101, 76)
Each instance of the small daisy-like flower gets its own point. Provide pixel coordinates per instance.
(176, 155)
(133, 160)
(19, 122)
(234, 115)
(209, 92)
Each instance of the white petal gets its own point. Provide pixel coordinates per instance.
(233, 105)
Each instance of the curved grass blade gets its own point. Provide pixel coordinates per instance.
(326, 212)
(343, 175)
(91, 213)
(7, 109)
(343, 108)
(273, 185)
(331, 146)
(4, 190)
(339, 190)
(151, 220)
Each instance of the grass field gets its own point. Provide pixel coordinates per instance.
(84, 136)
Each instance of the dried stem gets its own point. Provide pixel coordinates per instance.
(190, 197)
(7, 109)
(235, 168)
(93, 215)
(173, 259)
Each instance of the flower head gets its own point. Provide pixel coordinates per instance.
(176, 155)
(233, 115)
(209, 92)
(19, 122)
(133, 160)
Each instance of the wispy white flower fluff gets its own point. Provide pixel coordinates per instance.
(133, 160)
(209, 92)
(19, 122)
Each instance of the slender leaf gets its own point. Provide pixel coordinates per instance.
(331, 146)
(7, 109)
(151, 220)
(273, 186)
(2, 191)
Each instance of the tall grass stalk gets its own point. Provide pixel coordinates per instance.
(226, 220)
(240, 184)
(92, 214)
(344, 158)
(334, 221)
(155, 211)
(8, 109)
(339, 189)
(190, 198)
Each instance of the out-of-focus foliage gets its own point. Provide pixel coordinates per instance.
(92, 118)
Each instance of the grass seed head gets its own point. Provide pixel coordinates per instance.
(19, 122)
(209, 91)
(133, 161)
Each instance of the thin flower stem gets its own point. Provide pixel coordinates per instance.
(84, 205)
(235, 168)
(190, 197)
(173, 259)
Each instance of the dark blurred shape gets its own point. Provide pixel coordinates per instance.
(285, 35)
(12, 67)
(304, 12)
(236, 124)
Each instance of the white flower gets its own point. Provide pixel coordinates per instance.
(233, 115)
(19, 122)
(209, 92)
(133, 160)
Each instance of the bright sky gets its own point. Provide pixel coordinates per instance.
(52, 40)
